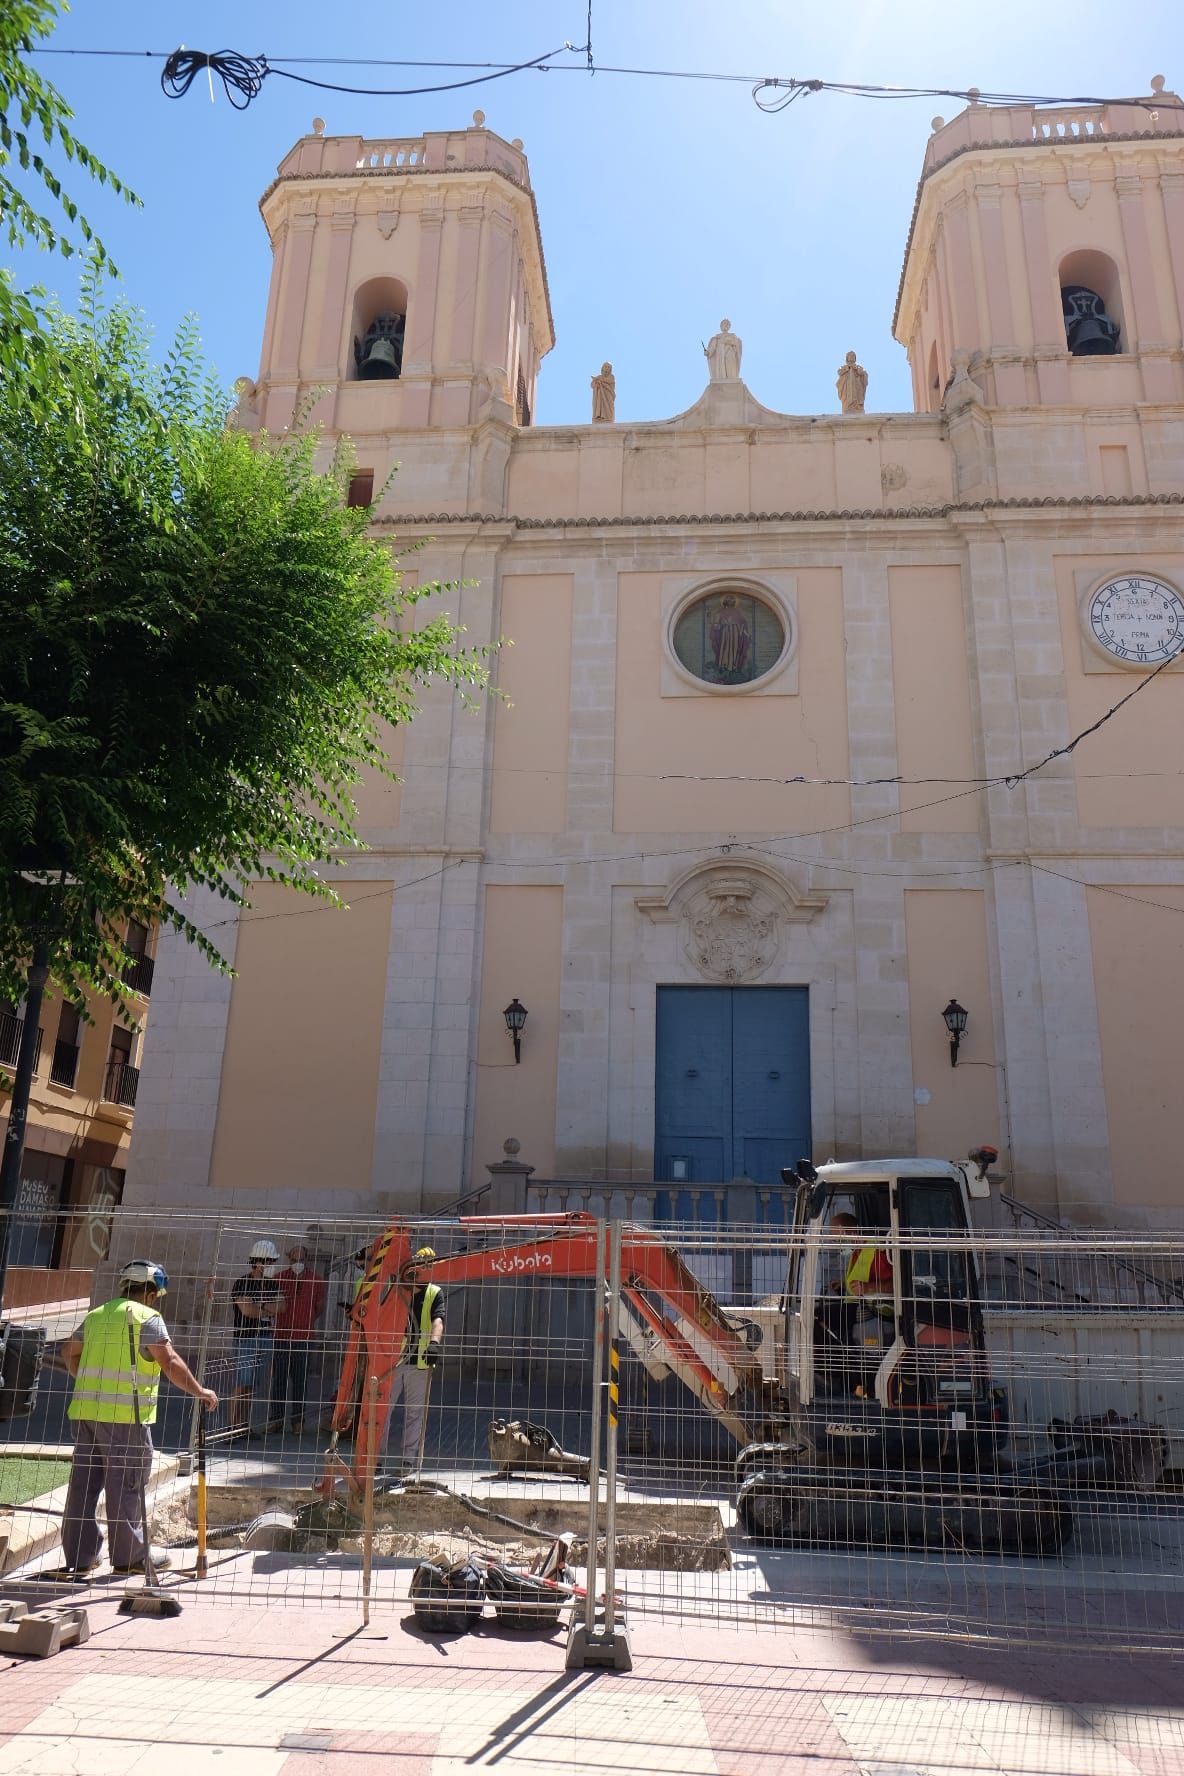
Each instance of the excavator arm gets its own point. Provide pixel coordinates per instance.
(686, 1331)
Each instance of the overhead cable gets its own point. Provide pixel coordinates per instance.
(243, 77)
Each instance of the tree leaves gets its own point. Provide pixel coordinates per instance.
(25, 94)
(200, 644)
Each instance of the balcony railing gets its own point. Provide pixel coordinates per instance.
(11, 1029)
(138, 972)
(63, 1069)
(121, 1084)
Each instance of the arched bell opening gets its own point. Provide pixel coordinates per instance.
(1091, 302)
(378, 331)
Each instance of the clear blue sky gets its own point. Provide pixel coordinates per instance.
(664, 204)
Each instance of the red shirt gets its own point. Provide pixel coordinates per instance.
(304, 1296)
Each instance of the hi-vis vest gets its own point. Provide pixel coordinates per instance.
(859, 1270)
(431, 1294)
(106, 1388)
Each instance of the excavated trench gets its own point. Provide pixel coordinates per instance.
(429, 1524)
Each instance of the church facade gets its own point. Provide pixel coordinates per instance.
(752, 836)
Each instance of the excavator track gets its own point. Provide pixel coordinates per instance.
(790, 1505)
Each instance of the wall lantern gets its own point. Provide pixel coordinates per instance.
(515, 1016)
(955, 1016)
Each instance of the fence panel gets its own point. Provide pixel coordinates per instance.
(1029, 1491)
(285, 1457)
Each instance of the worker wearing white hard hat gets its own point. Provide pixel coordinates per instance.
(255, 1302)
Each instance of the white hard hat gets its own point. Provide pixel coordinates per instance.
(265, 1250)
(143, 1270)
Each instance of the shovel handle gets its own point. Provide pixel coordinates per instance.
(202, 1563)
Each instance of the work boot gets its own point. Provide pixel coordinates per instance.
(161, 1560)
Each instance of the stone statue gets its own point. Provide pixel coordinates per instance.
(1088, 328)
(604, 396)
(961, 387)
(244, 415)
(722, 352)
(851, 384)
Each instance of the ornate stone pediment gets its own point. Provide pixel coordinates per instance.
(731, 912)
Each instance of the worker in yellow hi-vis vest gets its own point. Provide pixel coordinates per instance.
(117, 1357)
(419, 1352)
(866, 1286)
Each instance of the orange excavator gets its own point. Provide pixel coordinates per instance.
(886, 1430)
(671, 1322)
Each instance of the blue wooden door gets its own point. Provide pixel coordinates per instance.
(733, 1083)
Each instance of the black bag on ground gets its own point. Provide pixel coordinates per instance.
(522, 1599)
(447, 1599)
(22, 1351)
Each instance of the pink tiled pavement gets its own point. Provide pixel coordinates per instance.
(760, 1695)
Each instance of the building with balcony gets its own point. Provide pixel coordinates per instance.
(77, 1136)
(782, 811)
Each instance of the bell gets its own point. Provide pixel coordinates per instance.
(1089, 331)
(1092, 336)
(380, 360)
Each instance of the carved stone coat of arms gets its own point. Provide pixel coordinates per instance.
(731, 929)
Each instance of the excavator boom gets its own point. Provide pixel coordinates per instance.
(688, 1327)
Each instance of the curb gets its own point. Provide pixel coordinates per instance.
(25, 1533)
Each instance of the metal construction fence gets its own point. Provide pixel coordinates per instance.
(987, 1444)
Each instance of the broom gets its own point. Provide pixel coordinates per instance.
(151, 1599)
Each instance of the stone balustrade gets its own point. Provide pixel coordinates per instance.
(986, 126)
(437, 151)
(390, 154)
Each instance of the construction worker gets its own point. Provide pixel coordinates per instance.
(419, 1353)
(304, 1300)
(867, 1279)
(866, 1288)
(256, 1301)
(112, 1452)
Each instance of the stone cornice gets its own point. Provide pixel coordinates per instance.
(846, 515)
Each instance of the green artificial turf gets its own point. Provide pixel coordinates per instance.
(25, 1477)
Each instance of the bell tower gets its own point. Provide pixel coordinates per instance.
(1046, 256)
(408, 288)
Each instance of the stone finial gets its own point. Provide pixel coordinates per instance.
(974, 94)
(604, 396)
(936, 123)
(318, 126)
(517, 143)
(723, 352)
(851, 384)
(508, 1180)
(478, 120)
(1157, 84)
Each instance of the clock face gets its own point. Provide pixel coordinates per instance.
(1138, 619)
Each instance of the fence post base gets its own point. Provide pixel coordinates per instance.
(604, 1646)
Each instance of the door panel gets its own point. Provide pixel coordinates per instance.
(694, 1083)
(770, 1080)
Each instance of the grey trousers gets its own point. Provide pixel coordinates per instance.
(110, 1458)
(411, 1386)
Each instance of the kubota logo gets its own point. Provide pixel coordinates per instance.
(536, 1261)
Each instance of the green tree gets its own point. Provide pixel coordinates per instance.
(33, 111)
(200, 649)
